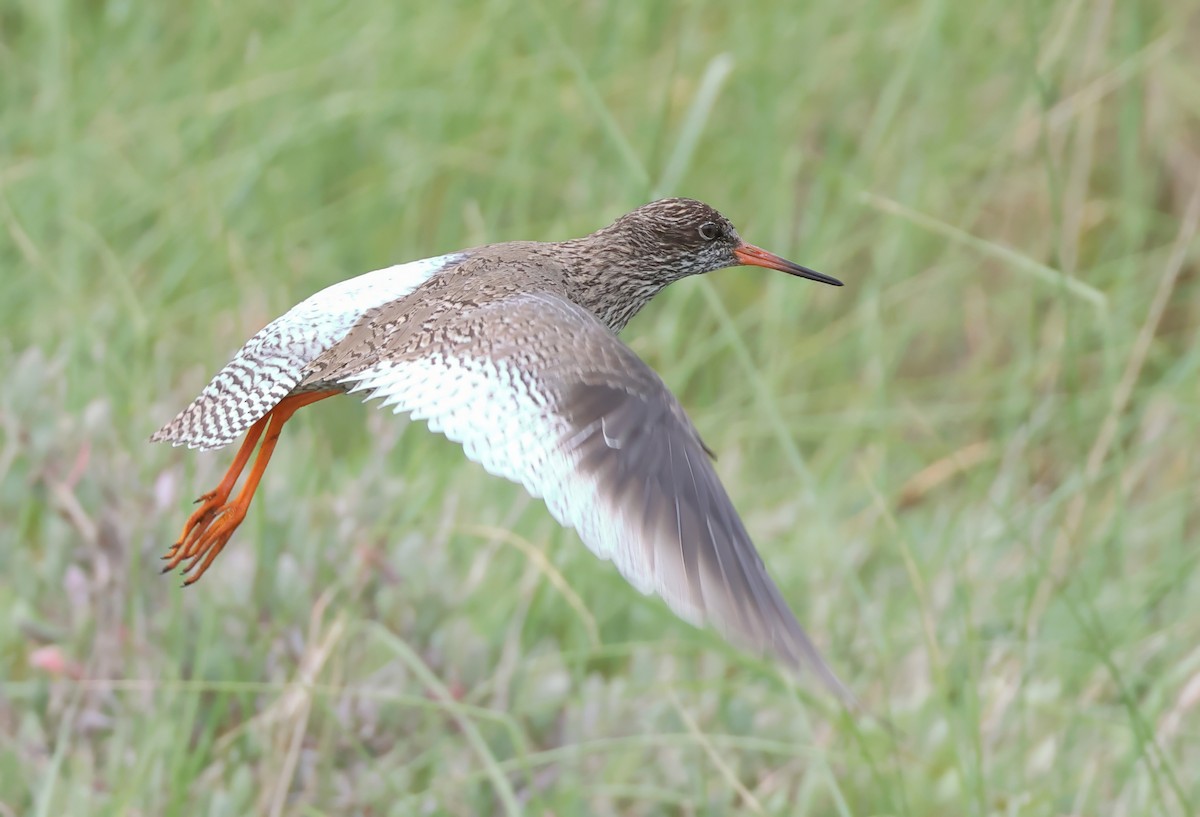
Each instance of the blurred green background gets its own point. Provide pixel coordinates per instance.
(972, 470)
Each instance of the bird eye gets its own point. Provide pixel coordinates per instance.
(709, 231)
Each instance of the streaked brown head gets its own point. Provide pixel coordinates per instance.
(688, 237)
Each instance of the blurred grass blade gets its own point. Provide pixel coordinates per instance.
(718, 71)
(596, 102)
(1022, 262)
(441, 693)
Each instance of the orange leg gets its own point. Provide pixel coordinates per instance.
(210, 527)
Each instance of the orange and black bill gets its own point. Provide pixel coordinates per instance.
(753, 256)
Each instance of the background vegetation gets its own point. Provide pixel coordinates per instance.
(973, 469)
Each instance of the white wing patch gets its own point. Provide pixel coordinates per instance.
(500, 423)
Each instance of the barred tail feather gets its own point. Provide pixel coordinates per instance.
(238, 396)
(269, 366)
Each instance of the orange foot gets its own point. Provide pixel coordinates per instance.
(206, 533)
(209, 529)
(196, 537)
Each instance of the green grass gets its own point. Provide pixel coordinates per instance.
(973, 470)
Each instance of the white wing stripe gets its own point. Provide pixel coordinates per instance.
(513, 435)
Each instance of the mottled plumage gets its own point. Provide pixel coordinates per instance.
(510, 350)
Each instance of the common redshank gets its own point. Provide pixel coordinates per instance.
(511, 350)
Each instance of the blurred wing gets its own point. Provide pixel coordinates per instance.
(543, 394)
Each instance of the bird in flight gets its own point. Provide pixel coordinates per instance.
(511, 349)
